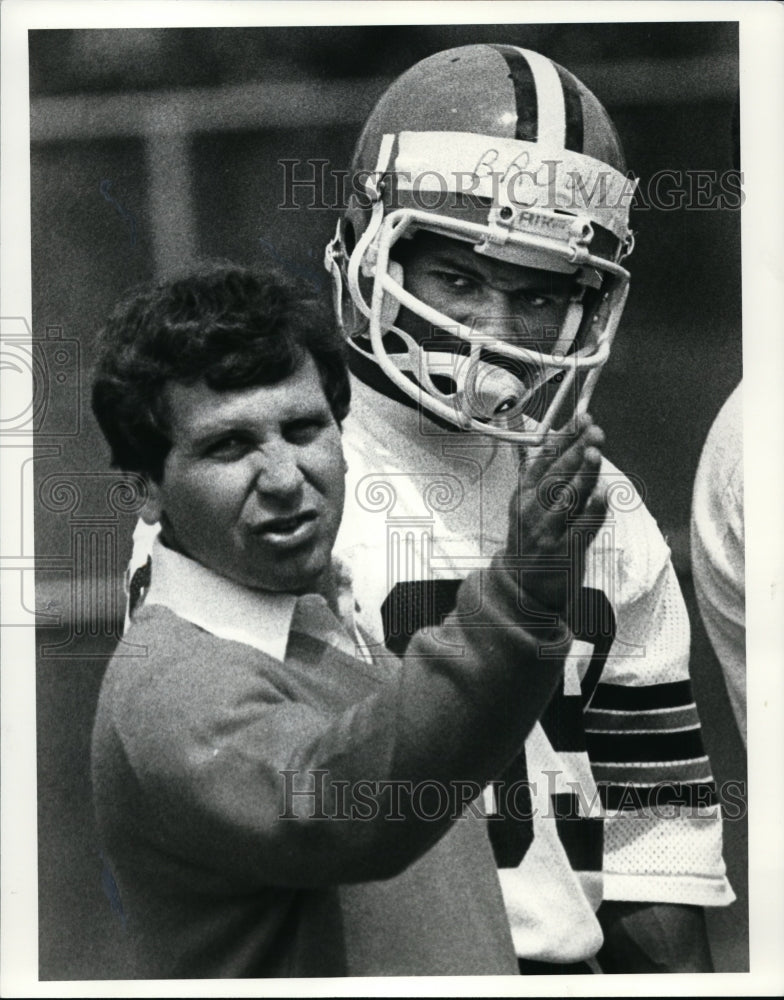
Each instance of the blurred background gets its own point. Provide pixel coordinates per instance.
(154, 147)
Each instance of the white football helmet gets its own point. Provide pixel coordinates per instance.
(501, 148)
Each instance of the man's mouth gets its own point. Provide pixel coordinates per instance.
(288, 532)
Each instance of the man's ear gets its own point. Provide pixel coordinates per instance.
(153, 505)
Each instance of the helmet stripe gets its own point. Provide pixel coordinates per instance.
(551, 108)
(526, 104)
(574, 110)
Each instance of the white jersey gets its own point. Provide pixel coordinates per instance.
(613, 797)
(622, 800)
(717, 548)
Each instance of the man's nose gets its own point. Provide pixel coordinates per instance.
(278, 472)
(498, 317)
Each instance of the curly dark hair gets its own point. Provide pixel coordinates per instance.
(230, 326)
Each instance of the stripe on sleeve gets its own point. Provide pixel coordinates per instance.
(613, 721)
(677, 694)
(626, 748)
(649, 774)
(627, 798)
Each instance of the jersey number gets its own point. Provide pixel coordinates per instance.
(418, 604)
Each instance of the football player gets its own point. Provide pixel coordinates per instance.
(479, 276)
(717, 548)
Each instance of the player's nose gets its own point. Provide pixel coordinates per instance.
(498, 317)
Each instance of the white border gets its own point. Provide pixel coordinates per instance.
(762, 116)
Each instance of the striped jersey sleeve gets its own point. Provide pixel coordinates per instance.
(646, 746)
(663, 824)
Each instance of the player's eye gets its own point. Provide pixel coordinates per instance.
(534, 300)
(454, 280)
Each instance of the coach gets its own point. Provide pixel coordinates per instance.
(228, 761)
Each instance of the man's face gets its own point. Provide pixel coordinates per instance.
(253, 485)
(498, 301)
(519, 305)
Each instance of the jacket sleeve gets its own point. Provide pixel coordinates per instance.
(237, 770)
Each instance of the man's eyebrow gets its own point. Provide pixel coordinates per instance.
(445, 258)
(219, 425)
(543, 285)
(314, 410)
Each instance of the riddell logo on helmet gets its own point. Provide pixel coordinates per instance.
(535, 220)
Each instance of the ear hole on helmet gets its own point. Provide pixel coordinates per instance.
(349, 237)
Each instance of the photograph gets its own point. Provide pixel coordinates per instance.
(374, 595)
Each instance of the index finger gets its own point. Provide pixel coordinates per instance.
(562, 461)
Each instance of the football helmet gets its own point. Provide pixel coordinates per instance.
(504, 150)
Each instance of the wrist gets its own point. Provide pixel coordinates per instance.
(497, 592)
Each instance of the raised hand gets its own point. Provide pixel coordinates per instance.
(554, 514)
